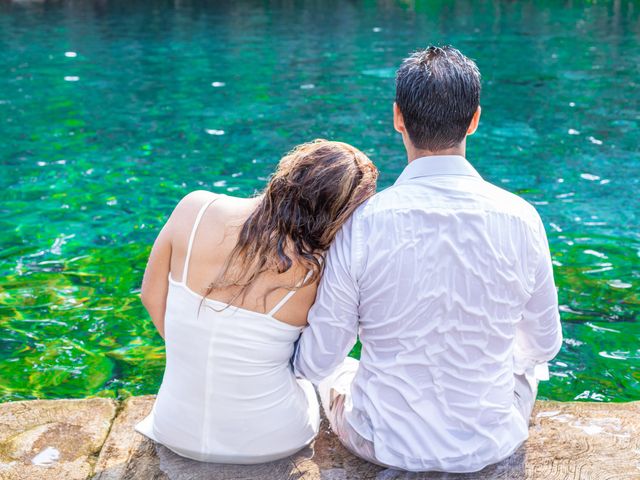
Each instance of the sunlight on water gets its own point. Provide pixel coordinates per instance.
(111, 112)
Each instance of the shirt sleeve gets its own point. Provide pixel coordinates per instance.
(333, 319)
(539, 333)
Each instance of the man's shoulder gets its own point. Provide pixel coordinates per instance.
(510, 203)
(375, 205)
(481, 195)
(386, 199)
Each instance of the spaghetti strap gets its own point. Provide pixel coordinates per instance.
(286, 298)
(185, 270)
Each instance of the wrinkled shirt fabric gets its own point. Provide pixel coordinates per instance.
(447, 280)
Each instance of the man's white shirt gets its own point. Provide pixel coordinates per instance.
(447, 280)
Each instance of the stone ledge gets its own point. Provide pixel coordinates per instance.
(567, 441)
(53, 439)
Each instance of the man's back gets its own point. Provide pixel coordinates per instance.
(448, 271)
(448, 280)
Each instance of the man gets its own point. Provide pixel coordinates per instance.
(448, 281)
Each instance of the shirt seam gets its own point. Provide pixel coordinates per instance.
(528, 221)
(541, 244)
(436, 175)
(355, 249)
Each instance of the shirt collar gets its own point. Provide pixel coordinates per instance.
(436, 165)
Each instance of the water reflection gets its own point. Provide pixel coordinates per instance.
(113, 110)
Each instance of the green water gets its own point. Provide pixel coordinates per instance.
(111, 111)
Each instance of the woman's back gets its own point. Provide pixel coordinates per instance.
(213, 242)
(219, 285)
(228, 394)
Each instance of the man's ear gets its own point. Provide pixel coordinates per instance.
(398, 120)
(473, 126)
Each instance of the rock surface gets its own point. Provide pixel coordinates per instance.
(567, 441)
(53, 439)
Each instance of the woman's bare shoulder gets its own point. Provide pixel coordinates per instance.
(187, 208)
(198, 198)
(195, 199)
(226, 208)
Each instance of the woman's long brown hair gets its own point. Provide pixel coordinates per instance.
(315, 189)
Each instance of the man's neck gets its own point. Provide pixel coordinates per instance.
(413, 153)
(411, 156)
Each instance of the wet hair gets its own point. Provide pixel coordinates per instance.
(315, 189)
(437, 92)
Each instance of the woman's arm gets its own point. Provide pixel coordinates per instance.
(155, 283)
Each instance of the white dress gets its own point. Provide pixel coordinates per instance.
(228, 394)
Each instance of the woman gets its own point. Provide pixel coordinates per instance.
(228, 285)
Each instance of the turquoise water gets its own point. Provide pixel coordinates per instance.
(111, 111)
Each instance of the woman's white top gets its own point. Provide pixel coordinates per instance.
(228, 394)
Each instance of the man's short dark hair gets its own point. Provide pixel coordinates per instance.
(437, 91)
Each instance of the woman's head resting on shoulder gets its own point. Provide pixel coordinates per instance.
(314, 190)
